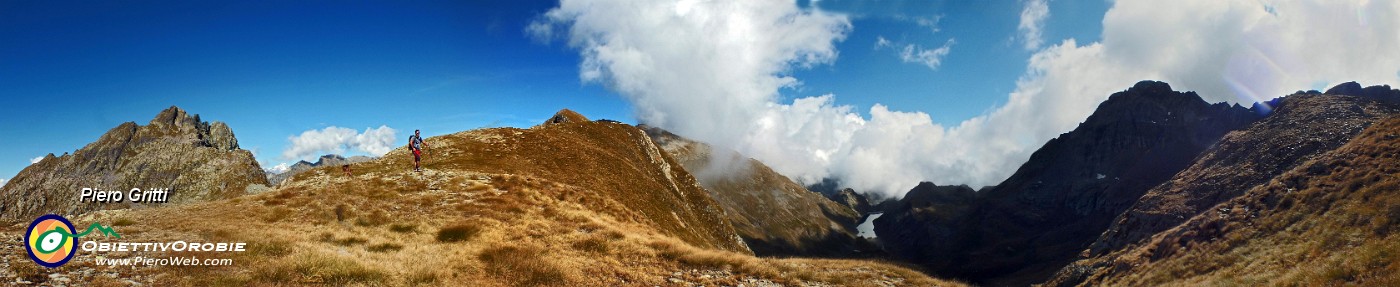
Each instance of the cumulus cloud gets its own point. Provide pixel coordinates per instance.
(911, 53)
(1033, 15)
(3, 181)
(712, 70)
(36, 160)
(338, 140)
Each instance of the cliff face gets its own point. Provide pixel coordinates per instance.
(1025, 228)
(773, 214)
(195, 159)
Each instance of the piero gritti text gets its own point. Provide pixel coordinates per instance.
(135, 195)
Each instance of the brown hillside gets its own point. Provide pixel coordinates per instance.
(774, 215)
(571, 204)
(1333, 220)
(197, 160)
(1301, 128)
(617, 162)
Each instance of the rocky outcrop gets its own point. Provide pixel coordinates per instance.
(774, 215)
(194, 159)
(302, 166)
(566, 116)
(852, 200)
(1038, 220)
(1382, 93)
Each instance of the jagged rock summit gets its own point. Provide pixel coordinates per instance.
(196, 160)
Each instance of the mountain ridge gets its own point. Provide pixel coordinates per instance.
(195, 159)
(774, 215)
(1060, 199)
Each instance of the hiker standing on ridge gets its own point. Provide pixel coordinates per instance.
(416, 144)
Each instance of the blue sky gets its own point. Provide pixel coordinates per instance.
(71, 71)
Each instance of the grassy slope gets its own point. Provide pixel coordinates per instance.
(1334, 220)
(575, 204)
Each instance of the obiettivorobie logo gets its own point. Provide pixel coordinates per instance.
(51, 241)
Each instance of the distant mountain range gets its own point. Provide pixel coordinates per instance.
(301, 166)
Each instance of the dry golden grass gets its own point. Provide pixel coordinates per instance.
(1330, 222)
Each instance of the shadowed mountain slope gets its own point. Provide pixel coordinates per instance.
(774, 215)
(1302, 129)
(1332, 220)
(1024, 229)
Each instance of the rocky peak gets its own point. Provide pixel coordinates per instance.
(566, 116)
(1381, 93)
(1348, 88)
(175, 121)
(195, 160)
(174, 117)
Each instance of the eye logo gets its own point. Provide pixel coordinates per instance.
(50, 241)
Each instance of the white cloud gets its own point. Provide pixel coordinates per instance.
(314, 143)
(911, 53)
(927, 22)
(1033, 15)
(36, 160)
(3, 181)
(712, 71)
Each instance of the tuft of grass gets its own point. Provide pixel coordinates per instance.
(277, 214)
(330, 238)
(28, 271)
(422, 278)
(321, 268)
(384, 247)
(523, 266)
(123, 222)
(275, 248)
(592, 244)
(458, 232)
(403, 228)
(376, 218)
(342, 212)
(671, 248)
